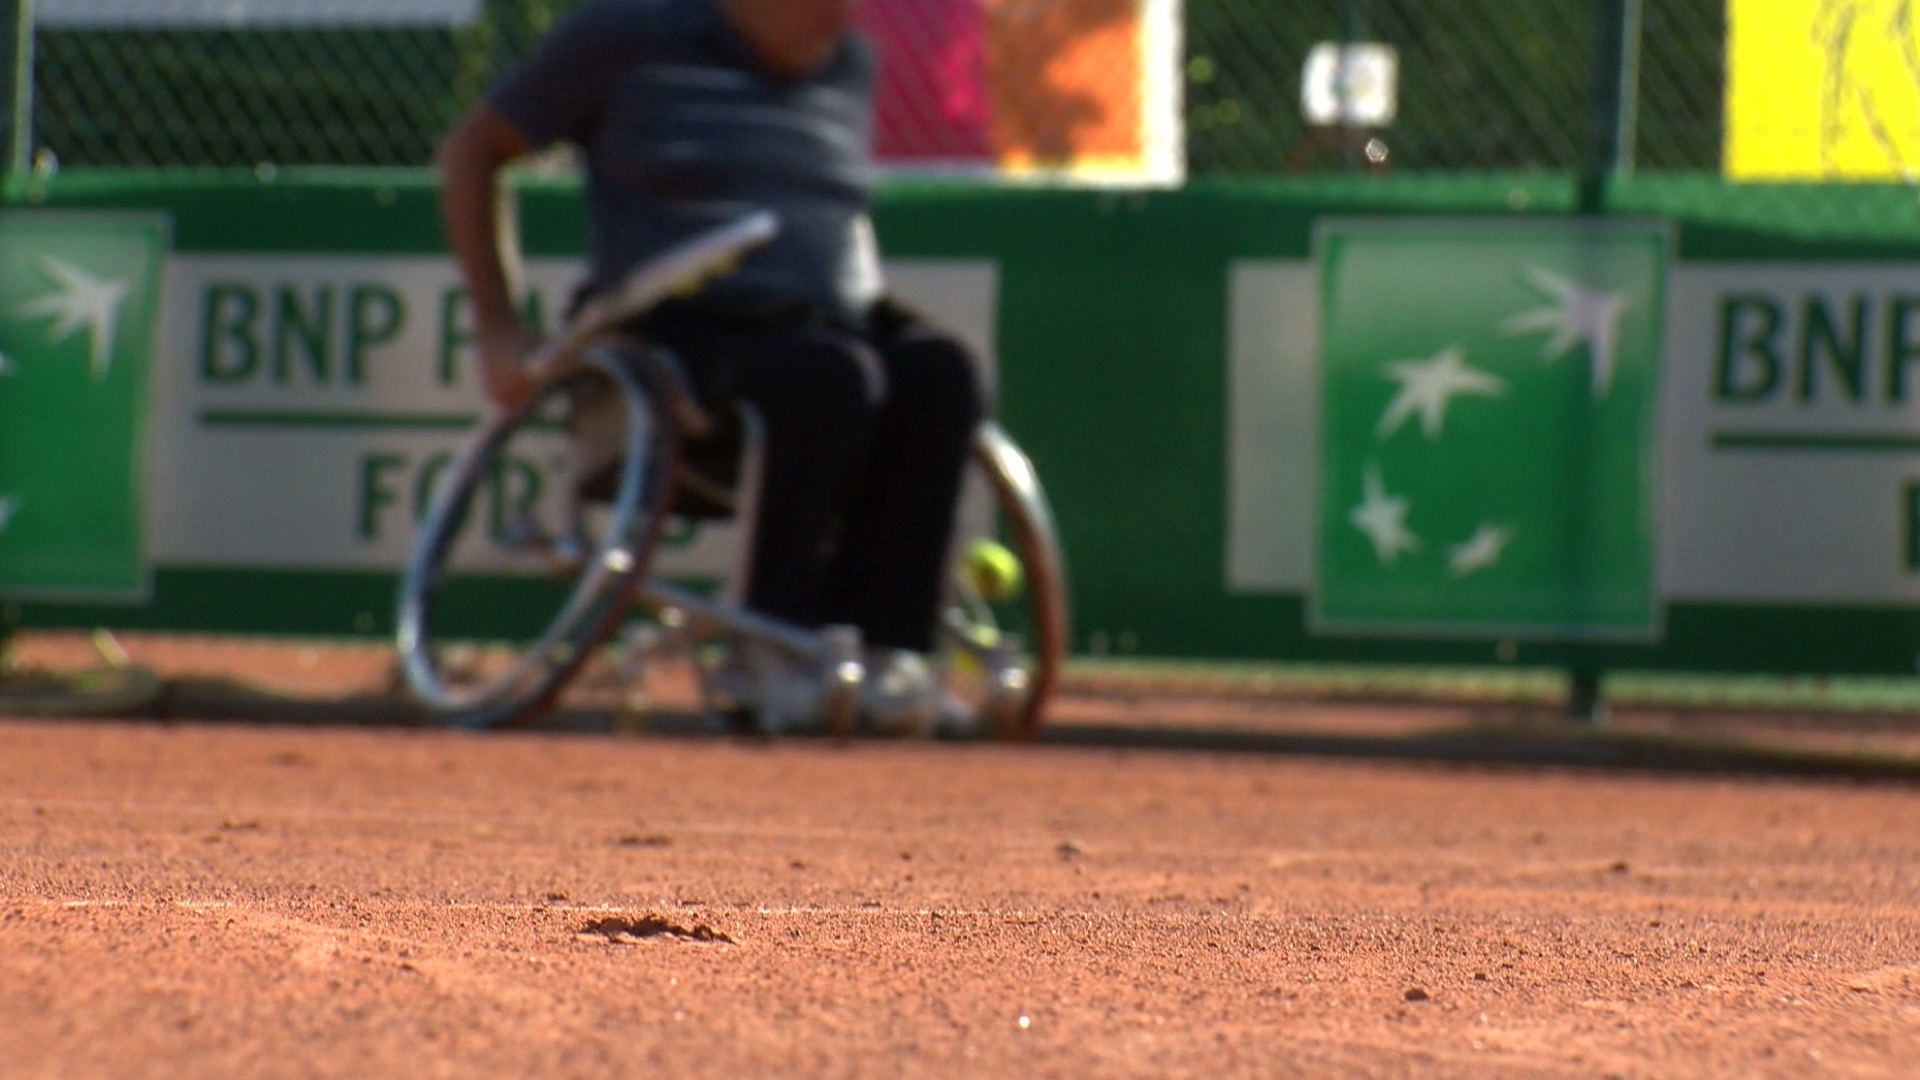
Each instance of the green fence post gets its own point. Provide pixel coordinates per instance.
(1610, 134)
(1611, 115)
(1353, 27)
(16, 92)
(16, 138)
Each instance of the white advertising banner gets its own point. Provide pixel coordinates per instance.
(304, 401)
(1789, 421)
(238, 14)
(1792, 446)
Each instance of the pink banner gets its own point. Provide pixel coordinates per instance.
(933, 102)
(1062, 88)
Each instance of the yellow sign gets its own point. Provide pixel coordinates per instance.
(1823, 90)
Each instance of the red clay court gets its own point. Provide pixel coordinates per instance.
(1165, 885)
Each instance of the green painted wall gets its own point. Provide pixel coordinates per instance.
(1112, 346)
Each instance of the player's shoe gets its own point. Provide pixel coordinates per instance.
(900, 696)
(773, 691)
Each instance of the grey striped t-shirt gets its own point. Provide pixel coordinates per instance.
(681, 127)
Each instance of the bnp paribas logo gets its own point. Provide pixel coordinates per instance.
(1489, 435)
(76, 300)
(78, 305)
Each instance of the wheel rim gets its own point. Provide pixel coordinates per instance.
(977, 649)
(621, 548)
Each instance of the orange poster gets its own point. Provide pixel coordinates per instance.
(1062, 90)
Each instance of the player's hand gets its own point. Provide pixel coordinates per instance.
(504, 375)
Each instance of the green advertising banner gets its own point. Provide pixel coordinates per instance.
(1412, 420)
(1488, 438)
(79, 295)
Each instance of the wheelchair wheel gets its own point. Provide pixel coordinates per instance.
(1002, 649)
(515, 579)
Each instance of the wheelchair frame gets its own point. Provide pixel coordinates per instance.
(1007, 680)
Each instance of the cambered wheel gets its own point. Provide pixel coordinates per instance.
(1002, 650)
(515, 580)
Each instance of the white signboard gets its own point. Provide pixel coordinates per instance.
(302, 401)
(234, 14)
(1789, 432)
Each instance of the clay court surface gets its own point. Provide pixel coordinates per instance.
(1234, 888)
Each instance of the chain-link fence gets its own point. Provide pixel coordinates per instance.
(1474, 84)
(1482, 84)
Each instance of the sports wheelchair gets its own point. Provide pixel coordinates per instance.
(523, 569)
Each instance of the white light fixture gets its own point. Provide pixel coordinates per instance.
(1355, 84)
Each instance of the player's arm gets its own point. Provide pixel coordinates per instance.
(484, 238)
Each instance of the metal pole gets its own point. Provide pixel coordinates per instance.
(1353, 25)
(1610, 137)
(9, 622)
(1612, 114)
(16, 82)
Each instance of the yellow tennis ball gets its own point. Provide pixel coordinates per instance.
(992, 570)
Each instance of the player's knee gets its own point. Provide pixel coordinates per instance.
(935, 376)
(837, 381)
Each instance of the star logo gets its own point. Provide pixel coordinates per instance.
(1427, 385)
(1383, 518)
(1463, 370)
(80, 301)
(1582, 316)
(1480, 551)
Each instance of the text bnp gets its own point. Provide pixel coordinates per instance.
(291, 334)
(319, 334)
(1858, 349)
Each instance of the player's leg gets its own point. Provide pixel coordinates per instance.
(890, 570)
(817, 392)
(994, 648)
(814, 391)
